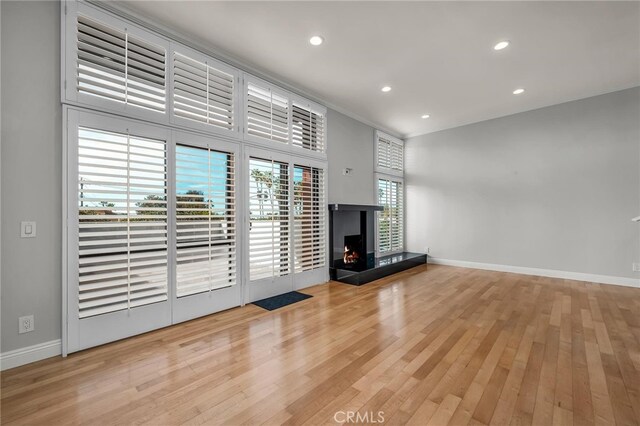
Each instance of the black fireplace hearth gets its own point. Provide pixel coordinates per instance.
(352, 241)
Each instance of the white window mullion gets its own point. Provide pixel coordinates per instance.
(126, 66)
(128, 220)
(206, 201)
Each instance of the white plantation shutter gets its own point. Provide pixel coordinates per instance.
(309, 230)
(205, 220)
(267, 113)
(203, 93)
(122, 221)
(390, 224)
(119, 66)
(390, 154)
(269, 231)
(307, 128)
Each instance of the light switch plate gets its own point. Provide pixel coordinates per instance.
(27, 229)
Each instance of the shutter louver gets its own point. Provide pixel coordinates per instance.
(307, 128)
(267, 114)
(122, 212)
(115, 65)
(269, 240)
(205, 220)
(202, 93)
(309, 218)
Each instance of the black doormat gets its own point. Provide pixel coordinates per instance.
(275, 302)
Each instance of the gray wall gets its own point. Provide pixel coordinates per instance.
(350, 145)
(553, 188)
(31, 170)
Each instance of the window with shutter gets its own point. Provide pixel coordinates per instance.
(309, 218)
(267, 114)
(205, 220)
(203, 93)
(122, 221)
(307, 128)
(269, 240)
(119, 66)
(390, 221)
(390, 154)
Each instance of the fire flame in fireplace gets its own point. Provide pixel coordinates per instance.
(350, 256)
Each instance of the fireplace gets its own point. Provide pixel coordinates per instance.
(354, 250)
(352, 254)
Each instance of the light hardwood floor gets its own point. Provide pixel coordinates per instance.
(438, 346)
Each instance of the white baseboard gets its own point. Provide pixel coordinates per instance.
(30, 354)
(578, 276)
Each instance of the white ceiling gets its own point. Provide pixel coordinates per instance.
(437, 56)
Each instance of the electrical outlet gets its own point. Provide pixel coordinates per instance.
(26, 324)
(636, 267)
(427, 250)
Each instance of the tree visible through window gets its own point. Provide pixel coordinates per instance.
(269, 229)
(205, 220)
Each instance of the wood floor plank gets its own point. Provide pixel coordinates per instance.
(437, 345)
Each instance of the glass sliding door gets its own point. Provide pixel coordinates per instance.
(206, 268)
(309, 224)
(118, 229)
(269, 227)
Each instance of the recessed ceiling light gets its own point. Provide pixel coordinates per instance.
(426, 116)
(501, 45)
(386, 89)
(518, 91)
(316, 40)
